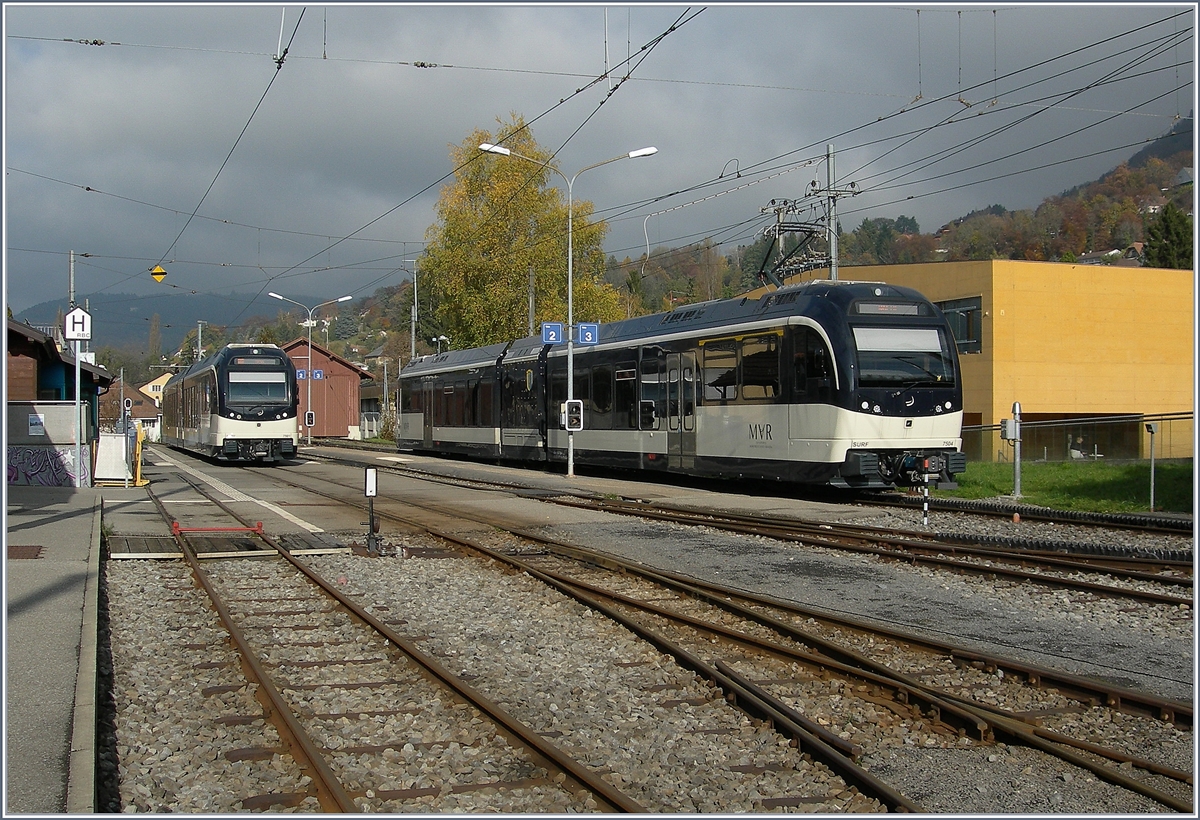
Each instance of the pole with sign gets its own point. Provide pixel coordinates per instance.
(77, 327)
(370, 490)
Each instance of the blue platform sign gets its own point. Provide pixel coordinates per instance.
(552, 333)
(318, 375)
(589, 333)
(301, 375)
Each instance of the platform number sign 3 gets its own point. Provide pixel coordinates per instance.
(589, 333)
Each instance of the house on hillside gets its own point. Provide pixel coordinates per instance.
(154, 388)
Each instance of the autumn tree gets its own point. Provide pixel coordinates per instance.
(1169, 240)
(499, 219)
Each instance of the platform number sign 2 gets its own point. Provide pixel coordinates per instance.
(552, 333)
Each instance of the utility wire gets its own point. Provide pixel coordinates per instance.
(278, 66)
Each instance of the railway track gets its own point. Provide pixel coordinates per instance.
(953, 711)
(353, 702)
(949, 552)
(1054, 564)
(1134, 522)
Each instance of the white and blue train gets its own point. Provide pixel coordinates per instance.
(239, 404)
(848, 384)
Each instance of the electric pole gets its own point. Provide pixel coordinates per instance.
(831, 193)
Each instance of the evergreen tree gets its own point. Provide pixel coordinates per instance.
(1169, 240)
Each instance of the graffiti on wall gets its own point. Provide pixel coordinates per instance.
(45, 466)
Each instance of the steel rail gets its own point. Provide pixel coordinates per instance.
(902, 553)
(1138, 522)
(987, 718)
(330, 793)
(557, 758)
(1010, 726)
(1056, 551)
(1078, 687)
(746, 699)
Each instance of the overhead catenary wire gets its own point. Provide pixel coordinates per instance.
(278, 66)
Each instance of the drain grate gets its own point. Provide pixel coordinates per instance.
(15, 551)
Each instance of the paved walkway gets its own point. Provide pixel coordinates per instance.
(52, 575)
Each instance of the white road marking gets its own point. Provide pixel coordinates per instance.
(393, 458)
(237, 495)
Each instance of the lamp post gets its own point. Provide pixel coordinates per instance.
(507, 152)
(309, 324)
(413, 354)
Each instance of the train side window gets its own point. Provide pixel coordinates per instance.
(625, 415)
(487, 413)
(583, 391)
(653, 404)
(810, 367)
(760, 368)
(602, 397)
(720, 371)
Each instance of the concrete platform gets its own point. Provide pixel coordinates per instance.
(51, 584)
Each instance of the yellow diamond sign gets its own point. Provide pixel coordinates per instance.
(158, 273)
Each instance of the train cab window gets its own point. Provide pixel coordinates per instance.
(720, 371)
(810, 367)
(254, 388)
(760, 368)
(653, 403)
(903, 356)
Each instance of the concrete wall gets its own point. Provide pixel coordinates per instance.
(49, 459)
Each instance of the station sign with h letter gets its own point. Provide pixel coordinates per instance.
(77, 326)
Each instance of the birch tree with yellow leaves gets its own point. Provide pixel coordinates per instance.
(498, 221)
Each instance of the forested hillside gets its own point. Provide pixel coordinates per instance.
(1148, 199)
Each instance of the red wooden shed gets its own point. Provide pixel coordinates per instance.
(335, 390)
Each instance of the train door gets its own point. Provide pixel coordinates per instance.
(427, 397)
(681, 411)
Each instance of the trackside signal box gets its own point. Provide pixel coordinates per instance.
(1010, 429)
(572, 415)
(310, 419)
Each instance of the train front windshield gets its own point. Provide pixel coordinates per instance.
(258, 388)
(903, 357)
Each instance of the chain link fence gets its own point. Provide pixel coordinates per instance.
(1108, 438)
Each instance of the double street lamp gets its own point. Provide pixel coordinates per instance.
(507, 152)
(309, 324)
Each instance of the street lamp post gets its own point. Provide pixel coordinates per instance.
(506, 152)
(309, 325)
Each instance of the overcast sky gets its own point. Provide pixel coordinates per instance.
(350, 137)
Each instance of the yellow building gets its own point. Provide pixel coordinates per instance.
(1067, 341)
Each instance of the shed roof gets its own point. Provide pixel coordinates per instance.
(346, 363)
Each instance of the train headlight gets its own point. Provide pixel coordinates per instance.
(865, 405)
(948, 405)
(877, 409)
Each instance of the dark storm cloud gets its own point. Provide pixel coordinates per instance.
(352, 127)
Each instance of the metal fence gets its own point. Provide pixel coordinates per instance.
(1109, 438)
